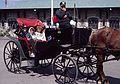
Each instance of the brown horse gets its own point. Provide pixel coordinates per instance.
(104, 38)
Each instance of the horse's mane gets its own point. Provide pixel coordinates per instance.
(102, 32)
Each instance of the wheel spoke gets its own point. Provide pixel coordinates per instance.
(8, 50)
(68, 63)
(84, 69)
(8, 62)
(41, 61)
(11, 65)
(47, 61)
(17, 66)
(61, 75)
(58, 65)
(13, 46)
(7, 53)
(91, 68)
(69, 71)
(87, 71)
(7, 58)
(10, 47)
(69, 78)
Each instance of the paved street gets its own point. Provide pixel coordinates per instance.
(45, 76)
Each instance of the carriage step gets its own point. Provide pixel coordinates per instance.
(66, 45)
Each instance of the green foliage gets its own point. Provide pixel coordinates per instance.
(3, 32)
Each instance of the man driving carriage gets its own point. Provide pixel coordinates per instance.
(64, 18)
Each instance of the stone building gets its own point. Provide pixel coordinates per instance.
(89, 13)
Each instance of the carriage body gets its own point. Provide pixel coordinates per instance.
(18, 48)
(43, 50)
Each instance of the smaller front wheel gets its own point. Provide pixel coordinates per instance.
(65, 69)
(87, 66)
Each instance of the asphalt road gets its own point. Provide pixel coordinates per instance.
(45, 76)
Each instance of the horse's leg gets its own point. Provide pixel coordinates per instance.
(101, 75)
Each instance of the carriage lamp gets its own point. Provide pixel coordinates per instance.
(34, 10)
(110, 9)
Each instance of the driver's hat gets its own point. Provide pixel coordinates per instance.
(63, 4)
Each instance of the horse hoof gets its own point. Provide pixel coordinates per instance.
(103, 82)
(106, 82)
(99, 82)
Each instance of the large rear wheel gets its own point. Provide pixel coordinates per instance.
(65, 69)
(12, 58)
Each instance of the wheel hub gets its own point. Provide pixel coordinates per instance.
(15, 56)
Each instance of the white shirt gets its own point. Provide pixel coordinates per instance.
(39, 36)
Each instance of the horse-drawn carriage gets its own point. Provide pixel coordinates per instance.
(69, 59)
(17, 48)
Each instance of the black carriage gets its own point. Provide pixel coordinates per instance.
(69, 59)
(17, 49)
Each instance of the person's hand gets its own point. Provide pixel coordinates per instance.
(64, 9)
(57, 28)
(65, 16)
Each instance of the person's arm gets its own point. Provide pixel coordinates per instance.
(69, 15)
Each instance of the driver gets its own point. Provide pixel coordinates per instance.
(64, 18)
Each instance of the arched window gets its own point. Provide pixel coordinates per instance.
(93, 22)
(114, 22)
(12, 23)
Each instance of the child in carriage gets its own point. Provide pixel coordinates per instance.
(40, 33)
(34, 36)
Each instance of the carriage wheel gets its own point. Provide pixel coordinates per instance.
(46, 62)
(65, 69)
(87, 67)
(12, 57)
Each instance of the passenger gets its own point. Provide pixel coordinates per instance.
(40, 33)
(64, 18)
(24, 32)
(31, 33)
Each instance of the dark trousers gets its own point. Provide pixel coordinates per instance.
(66, 34)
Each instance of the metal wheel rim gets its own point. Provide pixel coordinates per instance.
(88, 70)
(65, 78)
(13, 63)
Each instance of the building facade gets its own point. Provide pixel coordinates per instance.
(88, 16)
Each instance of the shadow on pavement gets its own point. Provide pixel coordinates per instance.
(39, 70)
(113, 80)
